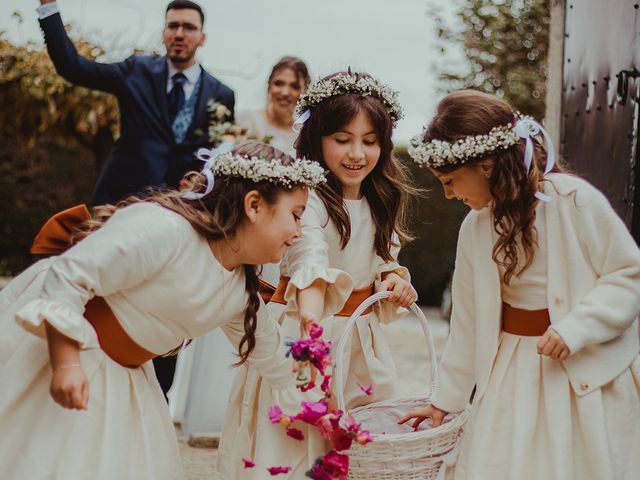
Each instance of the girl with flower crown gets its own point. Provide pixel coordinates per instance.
(348, 249)
(546, 292)
(79, 397)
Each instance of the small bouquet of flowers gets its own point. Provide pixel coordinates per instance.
(307, 352)
(339, 432)
(222, 129)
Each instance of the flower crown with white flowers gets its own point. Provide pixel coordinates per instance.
(344, 83)
(222, 162)
(438, 153)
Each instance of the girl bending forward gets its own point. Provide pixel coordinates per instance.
(546, 291)
(157, 271)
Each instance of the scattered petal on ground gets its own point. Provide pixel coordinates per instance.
(278, 470)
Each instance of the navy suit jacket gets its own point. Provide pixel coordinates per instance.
(146, 153)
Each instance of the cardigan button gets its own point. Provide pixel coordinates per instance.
(584, 386)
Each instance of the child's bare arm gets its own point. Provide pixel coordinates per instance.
(311, 305)
(69, 384)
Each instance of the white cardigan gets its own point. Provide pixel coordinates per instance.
(593, 294)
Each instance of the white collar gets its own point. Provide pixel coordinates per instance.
(192, 73)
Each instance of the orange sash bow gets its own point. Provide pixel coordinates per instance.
(53, 239)
(54, 236)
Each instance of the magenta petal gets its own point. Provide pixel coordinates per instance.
(248, 463)
(339, 463)
(312, 412)
(275, 412)
(325, 383)
(295, 433)
(367, 390)
(315, 331)
(278, 470)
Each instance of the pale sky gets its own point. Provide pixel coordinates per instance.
(391, 39)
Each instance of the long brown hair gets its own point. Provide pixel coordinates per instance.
(216, 216)
(386, 188)
(468, 112)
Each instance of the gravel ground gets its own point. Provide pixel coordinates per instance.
(410, 351)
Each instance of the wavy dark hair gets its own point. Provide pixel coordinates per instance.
(216, 216)
(386, 188)
(469, 112)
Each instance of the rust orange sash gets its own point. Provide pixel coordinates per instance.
(526, 323)
(357, 296)
(53, 239)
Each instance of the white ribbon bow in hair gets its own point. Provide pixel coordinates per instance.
(209, 157)
(527, 128)
(297, 125)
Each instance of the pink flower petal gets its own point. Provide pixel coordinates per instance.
(367, 390)
(312, 412)
(275, 412)
(315, 331)
(248, 463)
(295, 433)
(278, 470)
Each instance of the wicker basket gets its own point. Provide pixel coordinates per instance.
(421, 455)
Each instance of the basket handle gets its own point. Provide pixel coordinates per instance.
(339, 352)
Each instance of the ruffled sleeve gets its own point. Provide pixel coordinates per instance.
(131, 247)
(308, 260)
(386, 311)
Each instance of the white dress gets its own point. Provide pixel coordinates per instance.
(197, 390)
(316, 254)
(256, 122)
(530, 424)
(162, 282)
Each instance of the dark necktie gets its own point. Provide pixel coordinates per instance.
(175, 98)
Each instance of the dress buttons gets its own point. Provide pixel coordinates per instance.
(558, 301)
(584, 386)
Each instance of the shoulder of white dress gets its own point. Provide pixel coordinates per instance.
(568, 186)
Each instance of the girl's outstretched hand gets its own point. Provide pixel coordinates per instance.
(402, 292)
(552, 345)
(70, 387)
(421, 414)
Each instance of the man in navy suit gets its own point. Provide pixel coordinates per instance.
(163, 108)
(162, 100)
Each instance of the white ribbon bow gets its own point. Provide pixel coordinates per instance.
(527, 128)
(209, 157)
(297, 125)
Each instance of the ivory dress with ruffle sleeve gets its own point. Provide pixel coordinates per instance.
(316, 255)
(160, 279)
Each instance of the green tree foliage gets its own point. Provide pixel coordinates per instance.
(505, 44)
(54, 138)
(435, 222)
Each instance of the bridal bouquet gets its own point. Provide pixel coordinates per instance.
(221, 127)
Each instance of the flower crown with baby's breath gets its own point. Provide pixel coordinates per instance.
(300, 172)
(348, 82)
(438, 153)
(222, 162)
